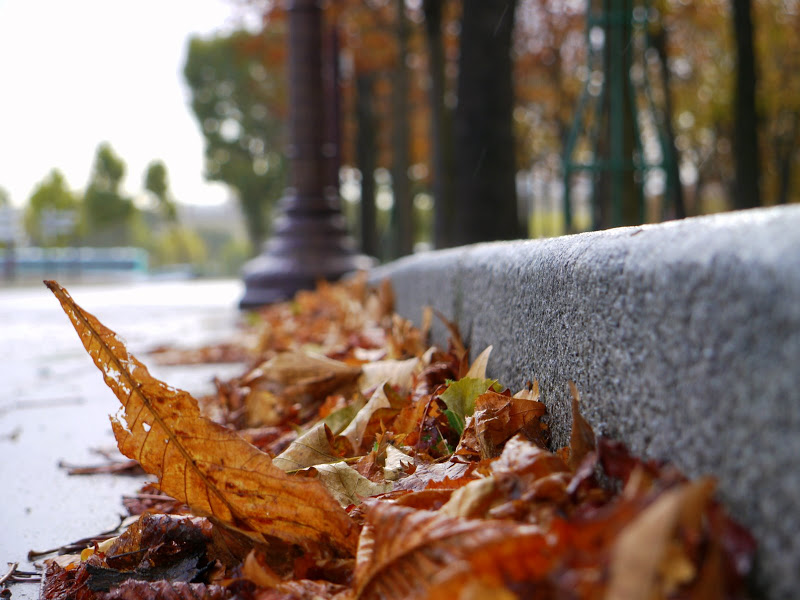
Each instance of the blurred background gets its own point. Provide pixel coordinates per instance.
(150, 139)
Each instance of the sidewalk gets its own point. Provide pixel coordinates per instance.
(54, 405)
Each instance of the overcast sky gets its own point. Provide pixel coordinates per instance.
(74, 73)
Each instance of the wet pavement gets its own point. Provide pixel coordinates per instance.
(54, 405)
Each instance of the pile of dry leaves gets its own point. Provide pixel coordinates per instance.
(354, 461)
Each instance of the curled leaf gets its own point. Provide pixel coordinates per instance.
(312, 448)
(477, 369)
(581, 441)
(354, 432)
(207, 466)
(347, 485)
(404, 552)
(644, 563)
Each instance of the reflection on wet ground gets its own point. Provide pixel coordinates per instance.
(54, 405)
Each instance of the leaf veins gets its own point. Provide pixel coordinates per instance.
(207, 466)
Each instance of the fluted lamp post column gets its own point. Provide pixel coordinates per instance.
(309, 240)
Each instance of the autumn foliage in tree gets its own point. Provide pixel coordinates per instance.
(405, 73)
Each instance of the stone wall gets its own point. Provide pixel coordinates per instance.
(683, 338)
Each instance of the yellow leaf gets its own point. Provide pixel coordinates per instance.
(347, 485)
(311, 448)
(207, 466)
(478, 368)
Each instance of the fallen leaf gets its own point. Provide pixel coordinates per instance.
(403, 552)
(158, 590)
(498, 418)
(347, 485)
(642, 550)
(154, 539)
(396, 463)
(427, 475)
(298, 368)
(201, 463)
(354, 432)
(398, 373)
(259, 572)
(460, 399)
(477, 369)
(529, 393)
(312, 448)
(581, 441)
(472, 500)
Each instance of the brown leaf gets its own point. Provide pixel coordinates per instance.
(157, 539)
(581, 441)
(427, 474)
(499, 417)
(259, 572)
(403, 552)
(164, 590)
(643, 560)
(201, 463)
(472, 500)
(303, 369)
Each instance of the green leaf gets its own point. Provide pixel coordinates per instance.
(455, 422)
(460, 399)
(339, 419)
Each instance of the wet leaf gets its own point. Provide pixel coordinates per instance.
(164, 590)
(201, 463)
(155, 540)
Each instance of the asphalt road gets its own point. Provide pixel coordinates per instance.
(54, 405)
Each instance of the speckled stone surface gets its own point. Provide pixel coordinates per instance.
(683, 338)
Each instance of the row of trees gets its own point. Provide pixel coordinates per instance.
(103, 215)
(455, 98)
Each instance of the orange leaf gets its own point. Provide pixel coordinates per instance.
(207, 466)
(404, 552)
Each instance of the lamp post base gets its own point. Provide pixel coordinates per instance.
(306, 246)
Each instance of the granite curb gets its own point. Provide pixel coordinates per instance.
(683, 338)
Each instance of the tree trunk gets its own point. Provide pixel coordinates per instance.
(746, 192)
(785, 150)
(366, 150)
(441, 127)
(484, 141)
(401, 151)
(658, 40)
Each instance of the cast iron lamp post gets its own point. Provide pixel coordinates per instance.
(309, 240)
